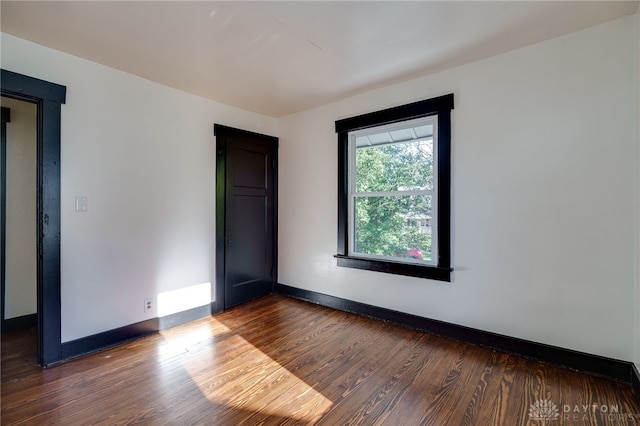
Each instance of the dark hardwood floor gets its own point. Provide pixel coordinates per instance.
(282, 361)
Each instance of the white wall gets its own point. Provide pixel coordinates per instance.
(144, 155)
(544, 166)
(20, 261)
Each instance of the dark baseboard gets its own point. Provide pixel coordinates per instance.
(622, 371)
(116, 336)
(24, 322)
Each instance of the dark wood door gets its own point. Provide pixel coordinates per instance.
(249, 216)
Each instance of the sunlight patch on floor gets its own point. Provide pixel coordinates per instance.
(240, 376)
(175, 345)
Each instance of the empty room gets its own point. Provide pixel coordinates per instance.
(447, 218)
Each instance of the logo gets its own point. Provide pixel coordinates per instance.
(544, 410)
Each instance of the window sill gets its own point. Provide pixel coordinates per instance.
(389, 267)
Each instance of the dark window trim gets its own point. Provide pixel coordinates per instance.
(441, 106)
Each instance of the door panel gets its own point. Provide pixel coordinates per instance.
(249, 215)
(248, 268)
(249, 167)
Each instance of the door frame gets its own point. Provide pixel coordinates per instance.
(48, 98)
(220, 133)
(6, 118)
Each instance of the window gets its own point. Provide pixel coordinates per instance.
(394, 190)
(392, 176)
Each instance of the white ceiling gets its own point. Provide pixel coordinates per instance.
(278, 58)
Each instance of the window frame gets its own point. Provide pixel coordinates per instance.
(441, 107)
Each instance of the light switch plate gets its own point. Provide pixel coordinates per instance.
(82, 204)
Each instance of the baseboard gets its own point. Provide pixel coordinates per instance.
(614, 369)
(24, 322)
(116, 336)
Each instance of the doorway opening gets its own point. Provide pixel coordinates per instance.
(18, 265)
(48, 98)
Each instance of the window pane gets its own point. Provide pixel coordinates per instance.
(393, 226)
(396, 166)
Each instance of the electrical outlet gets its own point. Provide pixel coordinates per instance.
(147, 305)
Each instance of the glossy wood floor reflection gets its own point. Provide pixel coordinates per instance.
(282, 361)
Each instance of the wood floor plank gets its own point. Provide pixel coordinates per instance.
(280, 361)
(484, 404)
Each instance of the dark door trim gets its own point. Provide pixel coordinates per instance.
(48, 97)
(6, 118)
(221, 132)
